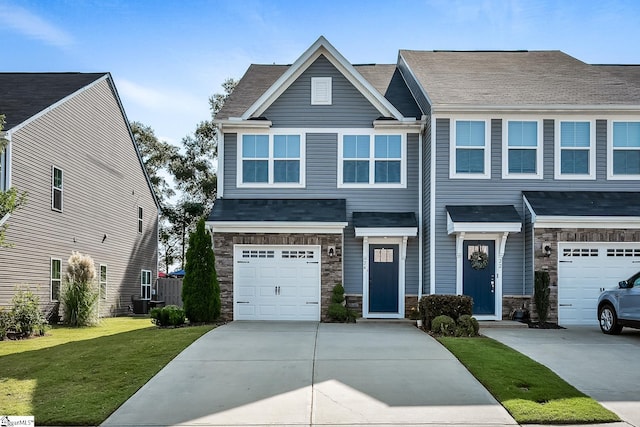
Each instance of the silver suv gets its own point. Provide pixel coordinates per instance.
(620, 306)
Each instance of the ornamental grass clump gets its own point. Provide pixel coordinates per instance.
(79, 294)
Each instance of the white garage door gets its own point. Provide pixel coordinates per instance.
(276, 282)
(584, 269)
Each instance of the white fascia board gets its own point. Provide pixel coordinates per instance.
(60, 102)
(231, 125)
(4, 219)
(533, 108)
(482, 227)
(276, 227)
(401, 60)
(386, 232)
(531, 211)
(322, 46)
(548, 221)
(405, 125)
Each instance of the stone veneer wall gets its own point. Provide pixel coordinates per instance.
(555, 235)
(330, 267)
(354, 302)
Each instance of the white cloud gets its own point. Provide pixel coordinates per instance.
(25, 22)
(157, 99)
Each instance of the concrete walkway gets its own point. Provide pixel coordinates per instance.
(602, 366)
(310, 374)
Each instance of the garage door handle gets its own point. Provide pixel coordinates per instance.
(242, 302)
(312, 302)
(312, 262)
(243, 262)
(565, 305)
(566, 261)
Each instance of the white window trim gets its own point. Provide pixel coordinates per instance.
(100, 282)
(558, 150)
(372, 184)
(315, 100)
(452, 148)
(140, 213)
(51, 279)
(271, 183)
(53, 188)
(143, 285)
(5, 165)
(610, 174)
(539, 174)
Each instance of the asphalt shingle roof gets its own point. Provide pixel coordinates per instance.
(259, 78)
(584, 203)
(484, 213)
(516, 78)
(384, 219)
(23, 95)
(285, 210)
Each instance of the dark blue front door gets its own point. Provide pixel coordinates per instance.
(479, 275)
(383, 278)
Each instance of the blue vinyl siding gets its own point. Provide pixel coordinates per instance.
(499, 191)
(349, 107)
(321, 182)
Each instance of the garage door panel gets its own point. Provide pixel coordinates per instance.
(277, 282)
(584, 269)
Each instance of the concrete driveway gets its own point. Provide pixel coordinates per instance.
(604, 367)
(310, 374)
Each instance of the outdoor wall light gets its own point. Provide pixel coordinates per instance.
(546, 249)
(331, 251)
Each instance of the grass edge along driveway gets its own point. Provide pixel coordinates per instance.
(79, 376)
(531, 392)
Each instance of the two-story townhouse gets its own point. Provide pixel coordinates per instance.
(517, 162)
(72, 151)
(319, 185)
(533, 163)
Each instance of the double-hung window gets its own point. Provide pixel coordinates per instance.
(371, 160)
(624, 150)
(56, 189)
(521, 149)
(575, 149)
(103, 281)
(145, 284)
(4, 168)
(470, 151)
(271, 159)
(55, 278)
(140, 217)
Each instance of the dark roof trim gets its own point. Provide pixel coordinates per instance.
(483, 219)
(384, 219)
(332, 211)
(584, 203)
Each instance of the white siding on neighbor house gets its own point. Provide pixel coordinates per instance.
(505, 191)
(104, 184)
(321, 182)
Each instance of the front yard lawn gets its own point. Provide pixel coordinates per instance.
(531, 392)
(79, 376)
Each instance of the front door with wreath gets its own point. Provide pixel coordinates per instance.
(479, 275)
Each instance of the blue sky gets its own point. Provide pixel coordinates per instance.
(168, 57)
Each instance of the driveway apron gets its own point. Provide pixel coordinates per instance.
(312, 374)
(604, 367)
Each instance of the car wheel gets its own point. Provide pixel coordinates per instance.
(608, 320)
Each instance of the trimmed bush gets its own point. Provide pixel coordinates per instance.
(541, 295)
(200, 288)
(171, 315)
(454, 306)
(338, 310)
(443, 325)
(79, 293)
(25, 317)
(467, 326)
(6, 323)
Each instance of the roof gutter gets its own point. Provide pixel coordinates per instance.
(234, 123)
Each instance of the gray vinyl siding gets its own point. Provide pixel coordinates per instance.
(321, 182)
(349, 107)
(426, 207)
(504, 191)
(87, 137)
(528, 251)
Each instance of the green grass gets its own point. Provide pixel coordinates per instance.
(531, 392)
(79, 376)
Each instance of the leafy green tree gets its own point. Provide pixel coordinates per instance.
(200, 288)
(10, 199)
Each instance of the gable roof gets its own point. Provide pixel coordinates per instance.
(23, 95)
(584, 203)
(263, 84)
(501, 79)
(279, 210)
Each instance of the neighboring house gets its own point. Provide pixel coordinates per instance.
(397, 180)
(71, 149)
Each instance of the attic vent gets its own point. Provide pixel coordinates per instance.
(320, 90)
